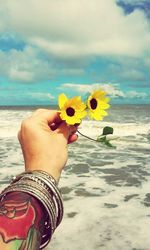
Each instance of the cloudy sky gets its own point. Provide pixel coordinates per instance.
(73, 46)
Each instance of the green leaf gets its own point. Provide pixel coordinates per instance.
(101, 139)
(107, 130)
(105, 142)
(108, 144)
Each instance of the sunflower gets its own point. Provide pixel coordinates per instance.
(97, 103)
(71, 110)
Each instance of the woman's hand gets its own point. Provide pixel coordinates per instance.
(44, 138)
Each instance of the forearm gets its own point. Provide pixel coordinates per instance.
(21, 222)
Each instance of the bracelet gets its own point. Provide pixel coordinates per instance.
(43, 187)
(49, 181)
(36, 172)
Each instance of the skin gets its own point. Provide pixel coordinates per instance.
(43, 138)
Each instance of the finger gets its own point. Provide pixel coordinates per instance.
(66, 130)
(54, 126)
(72, 138)
(49, 116)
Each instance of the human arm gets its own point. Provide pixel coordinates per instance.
(43, 138)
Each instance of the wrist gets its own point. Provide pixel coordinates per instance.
(45, 166)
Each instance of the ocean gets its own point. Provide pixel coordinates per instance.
(106, 191)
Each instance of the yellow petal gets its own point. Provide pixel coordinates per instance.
(107, 99)
(79, 107)
(80, 114)
(99, 94)
(88, 102)
(72, 120)
(63, 115)
(103, 113)
(62, 99)
(83, 114)
(97, 116)
(90, 113)
(103, 105)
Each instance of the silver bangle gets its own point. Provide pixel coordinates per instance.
(43, 195)
(56, 196)
(36, 172)
(46, 182)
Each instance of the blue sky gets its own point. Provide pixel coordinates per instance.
(48, 47)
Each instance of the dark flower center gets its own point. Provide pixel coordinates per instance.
(70, 111)
(93, 103)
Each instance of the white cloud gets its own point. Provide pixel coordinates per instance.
(129, 70)
(147, 61)
(64, 30)
(68, 28)
(81, 88)
(20, 75)
(135, 94)
(42, 95)
(112, 90)
(132, 74)
(1, 26)
(72, 71)
(28, 66)
(25, 66)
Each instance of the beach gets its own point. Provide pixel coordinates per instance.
(106, 191)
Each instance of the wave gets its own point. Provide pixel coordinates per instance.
(94, 128)
(11, 120)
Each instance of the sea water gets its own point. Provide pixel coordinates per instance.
(106, 191)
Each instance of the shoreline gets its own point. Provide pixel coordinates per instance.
(54, 106)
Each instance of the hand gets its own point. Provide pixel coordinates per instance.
(44, 138)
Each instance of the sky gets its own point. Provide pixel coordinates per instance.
(48, 47)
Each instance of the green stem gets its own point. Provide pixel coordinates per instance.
(86, 136)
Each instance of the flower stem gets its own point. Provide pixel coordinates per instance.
(86, 136)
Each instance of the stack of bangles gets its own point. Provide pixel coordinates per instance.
(42, 186)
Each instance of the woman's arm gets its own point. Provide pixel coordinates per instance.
(43, 138)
